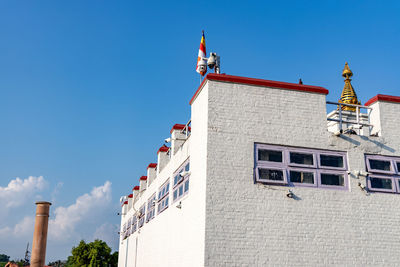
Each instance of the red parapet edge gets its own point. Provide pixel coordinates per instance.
(126, 202)
(163, 149)
(143, 178)
(259, 82)
(130, 195)
(152, 165)
(178, 127)
(136, 188)
(385, 98)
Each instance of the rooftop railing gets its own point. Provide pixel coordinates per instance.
(359, 122)
(186, 130)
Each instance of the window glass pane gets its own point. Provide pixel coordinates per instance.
(331, 161)
(332, 179)
(181, 190)
(270, 155)
(186, 185)
(301, 158)
(381, 183)
(167, 188)
(187, 167)
(398, 167)
(301, 177)
(175, 194)
(166, 201)
(382, 165)
(266, 174)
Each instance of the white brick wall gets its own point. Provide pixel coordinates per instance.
(176, 236)
(228, 220)
(249, 224)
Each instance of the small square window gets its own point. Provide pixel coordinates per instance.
(271, 175)
(382, 165)
(301, 177)
(381, 183)
(301, 158)
(335, 161)
(332, 179)
(270, 155)
(181, 190)
(186, 186)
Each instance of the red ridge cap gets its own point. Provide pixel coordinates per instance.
(164, 148)
(385, 98)
(178, 127)
(259, 82)
(126, 202)
(130, 195)
(152, 165)
(143, 178)
(136, 188)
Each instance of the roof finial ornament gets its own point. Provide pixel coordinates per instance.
(348, 96)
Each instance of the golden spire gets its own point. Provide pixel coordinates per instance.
(348, 96)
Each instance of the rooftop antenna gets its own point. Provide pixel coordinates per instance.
(26, 259)
(213, 61)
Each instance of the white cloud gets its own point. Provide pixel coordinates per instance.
(87, 206)
(23, 228)
(87, 217)
(18, 191)
(109, 233)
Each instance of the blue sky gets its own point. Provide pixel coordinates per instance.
(90, 89)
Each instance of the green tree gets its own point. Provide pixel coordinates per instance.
(93, 254)
(57, 263)
(4, 257)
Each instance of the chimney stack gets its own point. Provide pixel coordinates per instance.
(40, 234)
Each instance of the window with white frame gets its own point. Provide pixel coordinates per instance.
(181, 181)
(141, 215)
(282, 165)
(163, 197)
(123, 232)
(128, 227)
(384, 173)
(151, 203)
(134, 224)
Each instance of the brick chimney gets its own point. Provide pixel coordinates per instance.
(40, 234)
(177, 137)
(162, 158)
(151, 173)
(143, 183)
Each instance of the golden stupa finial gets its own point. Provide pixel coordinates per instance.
(348, 96)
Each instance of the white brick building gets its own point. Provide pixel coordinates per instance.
(250, 142)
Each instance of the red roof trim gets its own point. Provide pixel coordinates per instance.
(385, 98)
(143, 178)
(130, 195)
(163, 149)
(260, 82)
(126, 202)
(136, 188)
(152, 165)
(178, 127)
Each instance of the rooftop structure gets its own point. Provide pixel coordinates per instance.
(261, 175)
